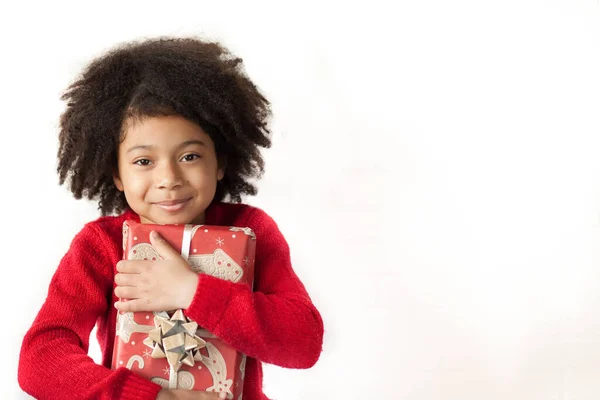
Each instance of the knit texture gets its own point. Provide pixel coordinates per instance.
(275, 322)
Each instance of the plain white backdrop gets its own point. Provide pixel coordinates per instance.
(434, 168)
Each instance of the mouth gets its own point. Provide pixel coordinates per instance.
(172, 205)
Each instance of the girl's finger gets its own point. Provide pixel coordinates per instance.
(122, 279)
(132, 266)
(127, 292)
(133, 305)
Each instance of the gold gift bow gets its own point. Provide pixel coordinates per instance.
(176, 340)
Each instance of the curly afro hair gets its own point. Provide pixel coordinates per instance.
(198, 80)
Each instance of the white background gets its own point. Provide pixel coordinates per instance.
(434, 168)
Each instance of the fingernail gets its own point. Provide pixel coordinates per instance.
(222, 395)
(154, 235)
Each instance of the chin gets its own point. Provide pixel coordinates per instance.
(173, 220)
(166, 219)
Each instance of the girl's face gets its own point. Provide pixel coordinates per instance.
(168, 170)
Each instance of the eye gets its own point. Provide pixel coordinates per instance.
(190, 157)
(144, 162)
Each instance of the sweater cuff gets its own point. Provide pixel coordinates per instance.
(135, 387)
(209, 302)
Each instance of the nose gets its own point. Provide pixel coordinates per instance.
(168, 176)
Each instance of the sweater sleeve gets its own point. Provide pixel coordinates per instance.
(53, 363)
(277, 323)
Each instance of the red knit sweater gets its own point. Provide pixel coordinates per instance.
(276, 323)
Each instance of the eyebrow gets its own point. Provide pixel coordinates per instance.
(181, 146)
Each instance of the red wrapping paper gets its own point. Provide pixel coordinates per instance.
(223, 252)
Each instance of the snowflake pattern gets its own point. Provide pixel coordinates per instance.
(166, 370)
(147, 353)
(246, 260)
(220, 241)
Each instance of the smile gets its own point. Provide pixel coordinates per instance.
(172, 205)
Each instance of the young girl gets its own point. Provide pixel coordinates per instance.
(162, 132)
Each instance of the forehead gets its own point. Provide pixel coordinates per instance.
(162, 131)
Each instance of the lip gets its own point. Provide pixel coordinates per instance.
(172, 205)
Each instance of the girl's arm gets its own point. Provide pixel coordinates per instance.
(277, 323)
(54, 363)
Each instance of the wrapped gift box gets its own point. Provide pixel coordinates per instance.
(167, 347)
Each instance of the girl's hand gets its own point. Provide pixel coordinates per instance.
(188, 395)
(160, 285)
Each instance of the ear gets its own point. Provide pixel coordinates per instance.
(220, 174)
(118, 182)
(221, 165)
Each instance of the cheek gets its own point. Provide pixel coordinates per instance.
(202, 176)
(210, 178)
(136, 183)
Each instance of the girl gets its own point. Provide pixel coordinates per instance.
(162, 132)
